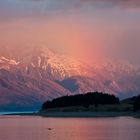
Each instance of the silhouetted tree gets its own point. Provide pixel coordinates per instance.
(92, 98)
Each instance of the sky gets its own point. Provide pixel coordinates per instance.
(88, 29)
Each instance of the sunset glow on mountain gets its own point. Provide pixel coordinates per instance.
(74, 46)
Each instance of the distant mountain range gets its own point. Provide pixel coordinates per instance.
(29, 80)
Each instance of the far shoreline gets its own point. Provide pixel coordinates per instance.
(78, 114)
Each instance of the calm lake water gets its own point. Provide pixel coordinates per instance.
(41, 128)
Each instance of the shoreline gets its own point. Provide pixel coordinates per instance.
(79, 114)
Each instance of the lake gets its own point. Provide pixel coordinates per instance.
(41, 128)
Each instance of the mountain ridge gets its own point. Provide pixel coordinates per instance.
(46, 74)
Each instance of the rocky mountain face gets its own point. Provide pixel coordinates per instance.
(40, 75)
(18, 90)
(46, 64)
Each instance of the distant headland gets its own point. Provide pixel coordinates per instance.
(90, 105)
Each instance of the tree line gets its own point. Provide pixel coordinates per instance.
(85, 100)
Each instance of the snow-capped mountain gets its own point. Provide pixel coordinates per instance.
(45, 63)
(18, 90)
(42, 74)
(30, 80)
(7, 63)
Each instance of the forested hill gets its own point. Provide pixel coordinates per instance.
(85, 100)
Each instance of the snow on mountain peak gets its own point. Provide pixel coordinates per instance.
(52, 64)
(6, 63)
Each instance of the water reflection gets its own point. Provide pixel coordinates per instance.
(37, 128)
